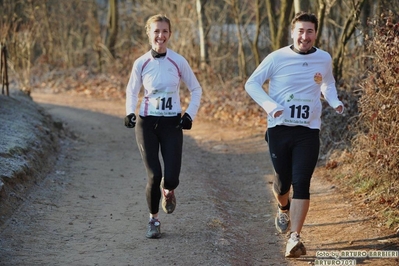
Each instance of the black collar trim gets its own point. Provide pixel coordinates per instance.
(155, 54)
(311, 51)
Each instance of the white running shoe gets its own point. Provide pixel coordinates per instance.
(295, 247)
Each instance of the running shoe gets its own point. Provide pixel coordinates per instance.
(168, 201)
(154, 229)
(282, 221)
(295, 247)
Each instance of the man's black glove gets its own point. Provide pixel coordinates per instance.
(185, 122)
(130, 120)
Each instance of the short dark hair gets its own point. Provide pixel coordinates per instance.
(307, 17)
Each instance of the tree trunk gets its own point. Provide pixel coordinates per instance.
(272, 17)
(279, 31)
(254, 47)
(202, 26)
(321, 12)
(241, 53)
(347, 32)
(112, 31)
(301, 5)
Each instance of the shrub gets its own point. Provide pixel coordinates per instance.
(378, 135)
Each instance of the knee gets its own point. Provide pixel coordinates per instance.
(281, 188)
(301, 191)
(170, 184)
(301, 195)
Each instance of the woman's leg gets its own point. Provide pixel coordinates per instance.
(171, 140)
(148, 143)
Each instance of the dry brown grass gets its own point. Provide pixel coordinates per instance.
(370, 167)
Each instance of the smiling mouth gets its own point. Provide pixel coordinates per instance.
(304, 43)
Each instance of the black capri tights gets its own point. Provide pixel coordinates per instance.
(155, 133)
(294, 152)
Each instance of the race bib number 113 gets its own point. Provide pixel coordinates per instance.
(298, 109)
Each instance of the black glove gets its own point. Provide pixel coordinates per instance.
(185, 122)
(130, 120)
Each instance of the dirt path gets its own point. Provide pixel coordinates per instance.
(91, 209)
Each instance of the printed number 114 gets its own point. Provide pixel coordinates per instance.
(163, 103)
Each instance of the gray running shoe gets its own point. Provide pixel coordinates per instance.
(168, 201)
(154, 229)
(295, 247)
(282, 221)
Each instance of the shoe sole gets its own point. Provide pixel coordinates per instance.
(154, 236)
(168, 210)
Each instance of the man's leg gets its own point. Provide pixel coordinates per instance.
(305, 155)
(279, 142)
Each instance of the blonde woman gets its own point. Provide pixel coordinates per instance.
(161, 120)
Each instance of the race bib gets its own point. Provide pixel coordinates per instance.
(163, 103)
(299, 109)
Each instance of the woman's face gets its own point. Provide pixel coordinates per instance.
(159, 35)
(303, 35)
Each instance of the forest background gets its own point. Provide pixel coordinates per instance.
(89, 46)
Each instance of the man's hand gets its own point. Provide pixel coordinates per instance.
(339, 109)
(185, 122)
(278, 114)
(130, 120)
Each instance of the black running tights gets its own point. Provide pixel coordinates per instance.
(294, 152)
(159, 133)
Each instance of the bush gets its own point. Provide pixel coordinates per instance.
(377, 138)
(370, 167)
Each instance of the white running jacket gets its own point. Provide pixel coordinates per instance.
(161, 78)
(296, 83)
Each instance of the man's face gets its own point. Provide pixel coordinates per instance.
(303, 35)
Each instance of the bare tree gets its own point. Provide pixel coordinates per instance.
(301, 5)
(347, 31)
(321, 12)
(112, 31)
(202, 26)
(237, 16)
(279, 22)
(258, 22)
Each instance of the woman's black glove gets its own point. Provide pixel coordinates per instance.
(185, 122)
(130, 120)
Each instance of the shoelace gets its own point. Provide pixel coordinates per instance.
(152, 224)
(295, 237)
(283, 218)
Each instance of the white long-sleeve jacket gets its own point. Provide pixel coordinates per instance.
(296, 82)
(161, 78)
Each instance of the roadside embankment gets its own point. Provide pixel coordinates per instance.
(29, 143)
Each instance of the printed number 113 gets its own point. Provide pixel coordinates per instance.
(300, 111)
